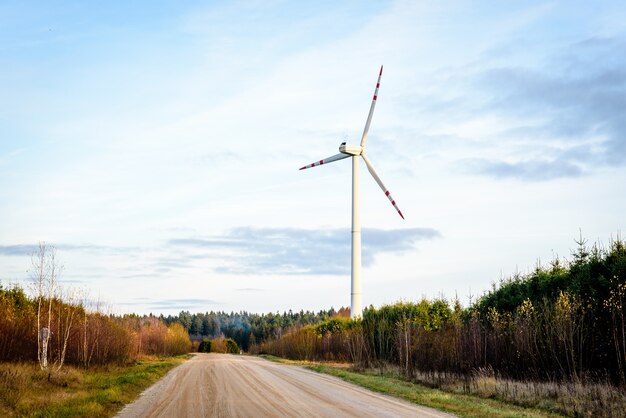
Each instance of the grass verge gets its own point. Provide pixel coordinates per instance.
(27, 391)
(459, 404)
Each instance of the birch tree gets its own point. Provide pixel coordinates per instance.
(45, 269)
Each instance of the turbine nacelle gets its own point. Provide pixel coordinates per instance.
(355, 150)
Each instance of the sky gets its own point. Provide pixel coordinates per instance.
(156, 145)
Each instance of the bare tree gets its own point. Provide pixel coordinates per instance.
(39, 274)
(45, 269)
(83, 301)
(67, 308)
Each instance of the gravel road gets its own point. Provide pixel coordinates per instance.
(222, 385)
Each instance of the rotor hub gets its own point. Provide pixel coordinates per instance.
(351, 149)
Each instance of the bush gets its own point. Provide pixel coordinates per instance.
(177, 340)
(220, 345)
(231, 346)
(205, 346)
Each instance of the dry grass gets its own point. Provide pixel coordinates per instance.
(27, 391)
(578, 399)
(572, 398)
(23, 386)
(391, 383)
(462, 405)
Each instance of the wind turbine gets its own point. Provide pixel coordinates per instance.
(354, 151)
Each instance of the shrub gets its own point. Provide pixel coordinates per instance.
(177, 340)
(205, 346)
(231, 346)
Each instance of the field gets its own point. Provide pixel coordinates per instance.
(27, 391)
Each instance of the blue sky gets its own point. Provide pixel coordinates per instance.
(158, 145)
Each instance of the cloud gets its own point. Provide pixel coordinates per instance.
(535, 170)
(568, 112)
(29, 249)
(169, 304)
(248, 250)
(19, 250)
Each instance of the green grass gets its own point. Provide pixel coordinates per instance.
(458, 404)
(26, 391)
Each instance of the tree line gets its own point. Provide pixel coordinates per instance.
(564, 321)
(81, 336)
(245, 328)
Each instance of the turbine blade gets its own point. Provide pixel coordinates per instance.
(336, 157)
(369, 117)
(370, 168)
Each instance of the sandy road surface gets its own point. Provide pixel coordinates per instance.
(221, 385)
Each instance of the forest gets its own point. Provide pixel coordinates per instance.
(245, 328)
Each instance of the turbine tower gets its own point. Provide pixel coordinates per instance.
(354, 151)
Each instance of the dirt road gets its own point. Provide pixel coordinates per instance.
(221, 385)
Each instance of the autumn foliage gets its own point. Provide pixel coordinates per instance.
(561, 322)
(93, 337)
